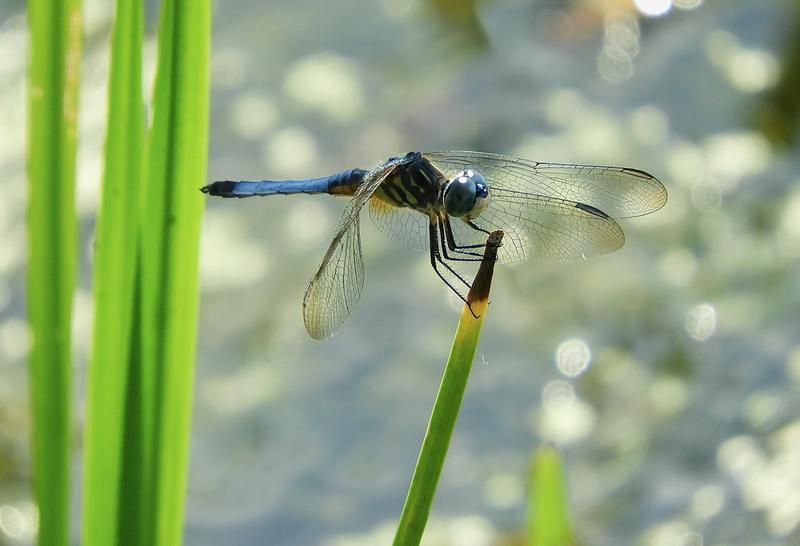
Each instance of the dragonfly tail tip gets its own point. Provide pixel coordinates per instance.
(221, 188)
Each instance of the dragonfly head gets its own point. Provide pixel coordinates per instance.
(466, 194)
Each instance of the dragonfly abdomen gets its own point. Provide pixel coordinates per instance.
(341, 183)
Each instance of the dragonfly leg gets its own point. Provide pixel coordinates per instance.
(446, 240)
(451, 241)
(476, 227)
(435, 257)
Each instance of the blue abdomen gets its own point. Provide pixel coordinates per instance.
(344, 182)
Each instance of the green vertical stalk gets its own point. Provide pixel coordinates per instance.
(107, 504)
(55, 45)
(175, 165)
(547, 517)
(448, 403)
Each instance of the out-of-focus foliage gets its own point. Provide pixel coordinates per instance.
(460, 22)
(666, 374)
(547, 517)
(779, 111)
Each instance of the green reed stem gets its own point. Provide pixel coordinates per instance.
(53, 77)
(547, 517)
(447, 404)
(109, 514)
(175, 166)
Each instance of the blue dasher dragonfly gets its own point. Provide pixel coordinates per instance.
(446, 203)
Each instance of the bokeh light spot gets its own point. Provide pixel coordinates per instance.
(469, 531)
(228, 257)
(789, 230)
(649, 124)
(690, 539)
(397, 9)
(562, 107)
(573, 357)
(228, 68)
(252, 115)
(752, 70)
(328, 83)
(762, 409)
(706, 194)
(707, 502)
(12, 521)
(290, 152)
(701, 321)
(237, 393)
(614, 68)
(678, 267)
(308, 222)
(653, 8)
(503, 491)
(670, 533)
(687, 4)
(568, 426)
(557, 395)
(15, 340)
(735, 155)
(793, 363)
(668, 396)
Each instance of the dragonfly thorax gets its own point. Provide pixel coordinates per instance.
(467, 194)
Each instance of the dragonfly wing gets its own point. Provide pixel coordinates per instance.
(549, 211)
(403, 225)
(617, 191)
(335, 288)
(543, 228)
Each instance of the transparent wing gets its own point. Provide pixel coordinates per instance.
(335, 288)
(617, 191)
(403, 225)
(552, 212)
(541, 228)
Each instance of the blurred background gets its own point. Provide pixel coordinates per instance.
(667, 373)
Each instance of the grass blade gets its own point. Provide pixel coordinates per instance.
(55, 28)
(105, 508)
(175, 167)
(448, 402)
(547, 518)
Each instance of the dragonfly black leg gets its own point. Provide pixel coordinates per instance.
(436, 253)
(448, 243)
(435, 257)
(455, 247)
(476, 227)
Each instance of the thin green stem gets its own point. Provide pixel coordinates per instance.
(447, 404)
(109, 514)
(52, 228)
(547, 517)
(175, 164)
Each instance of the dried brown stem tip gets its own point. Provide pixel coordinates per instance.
(483, 280)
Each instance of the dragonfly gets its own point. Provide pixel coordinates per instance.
(447, 203)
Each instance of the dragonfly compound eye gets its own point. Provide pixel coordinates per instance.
(466, 193)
